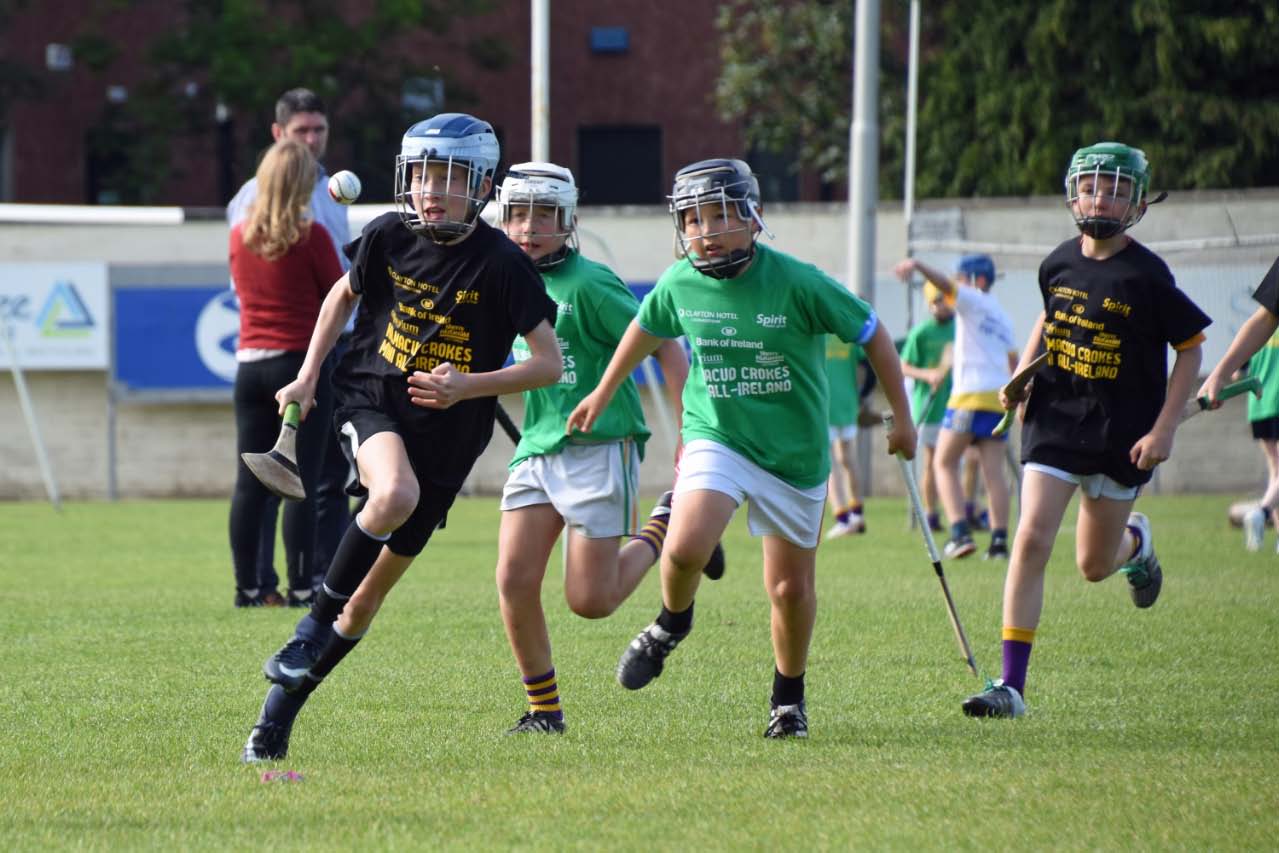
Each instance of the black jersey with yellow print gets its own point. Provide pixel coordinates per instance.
(423, 304)
(1107, 325)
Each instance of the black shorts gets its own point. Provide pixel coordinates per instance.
(356, 422)
(1266, 428)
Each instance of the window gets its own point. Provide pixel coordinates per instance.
(620, 164)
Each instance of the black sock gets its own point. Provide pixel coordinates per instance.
(352, 561)
(335, 649)
(959, 530)
(786, 690)
(676, 623)
(999, 535)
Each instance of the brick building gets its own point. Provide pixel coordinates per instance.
(631, 89)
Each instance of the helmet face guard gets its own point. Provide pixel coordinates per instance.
(1113, 168)
(466, 149)
(717, 185)
(528, 186)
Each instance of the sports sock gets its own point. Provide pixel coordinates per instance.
(842, 516)
(676, 623)
(282, 706)
(352, 561)
(970, 511)
(959, 530)
(1137, 541)
(855, 508)
(787, 690)
(335, 649)
(544, 695)
(1017, 644)
(934, 521)
(653, 534)
(999, 534)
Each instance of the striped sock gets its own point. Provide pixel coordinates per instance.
(1017, 643)
(544, 695)
(653, 534)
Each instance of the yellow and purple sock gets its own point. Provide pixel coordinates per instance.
(544, 695)
(1017, 644)
(653, 534)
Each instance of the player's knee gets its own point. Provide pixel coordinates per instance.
(788, 592)
(391, 505)
(590, 604)
(516, 584)
(1094, 568)
(684, 559)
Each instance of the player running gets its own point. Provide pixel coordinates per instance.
(587, 482)
(442, 296)
(1097, 418)
(754, 414)
(1256, 345)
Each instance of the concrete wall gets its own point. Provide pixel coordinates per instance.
(189, 448)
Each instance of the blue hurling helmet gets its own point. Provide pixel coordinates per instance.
(455, 140)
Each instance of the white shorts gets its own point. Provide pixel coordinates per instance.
(842, 433)
(592, 486)
(1093, 485)
(776, 507)
(928, 434)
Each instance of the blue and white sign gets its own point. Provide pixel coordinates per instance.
(57, 315)
(175, 338)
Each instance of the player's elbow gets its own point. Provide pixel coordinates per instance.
(545, 369)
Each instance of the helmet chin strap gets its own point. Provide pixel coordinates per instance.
(723, 268)
(552, 259)
(1101, 229)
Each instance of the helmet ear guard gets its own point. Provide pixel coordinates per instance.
(725, 182)
(1124, 165)
(455, 140)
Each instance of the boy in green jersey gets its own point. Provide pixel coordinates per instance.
(845, 499)
(1257, 345)
(926, 358)
(588, 483)
(755, 410)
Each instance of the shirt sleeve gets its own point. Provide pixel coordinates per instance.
(614, 307)
(359, 251)
(1181, 322)
(836, 310)
(910, 349)
(1267, 293)
(527, 302)
(656, 313)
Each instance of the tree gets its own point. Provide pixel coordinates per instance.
(230, 60)
(1009, 88)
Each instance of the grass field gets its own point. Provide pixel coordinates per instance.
(128, 684)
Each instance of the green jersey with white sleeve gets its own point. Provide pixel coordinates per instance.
(757, 379)
(594, 310)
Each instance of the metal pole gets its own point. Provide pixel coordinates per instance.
(541, 81)
(912, 105)
(863, 163)
(29, 413)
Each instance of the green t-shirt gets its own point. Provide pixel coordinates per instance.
(595, 308)
(757, 378)
(842, 359)
(1265, 366)
(923, 348)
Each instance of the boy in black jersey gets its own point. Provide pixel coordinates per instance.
(440, 303)
(1098, 417)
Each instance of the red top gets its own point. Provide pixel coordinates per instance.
(280, 299)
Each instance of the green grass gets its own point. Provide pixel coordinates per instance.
(128, 684)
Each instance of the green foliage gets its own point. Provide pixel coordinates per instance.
(128, 685)
(242, 54)
(1009, 90)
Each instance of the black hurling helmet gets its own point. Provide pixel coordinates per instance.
(721, 182)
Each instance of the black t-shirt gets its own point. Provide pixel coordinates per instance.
(423, 304)
(1267, 293)
(1108, 325)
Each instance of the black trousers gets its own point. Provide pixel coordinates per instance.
(257, 424)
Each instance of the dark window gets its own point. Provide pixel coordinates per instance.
(777, 174)
(620, 164)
